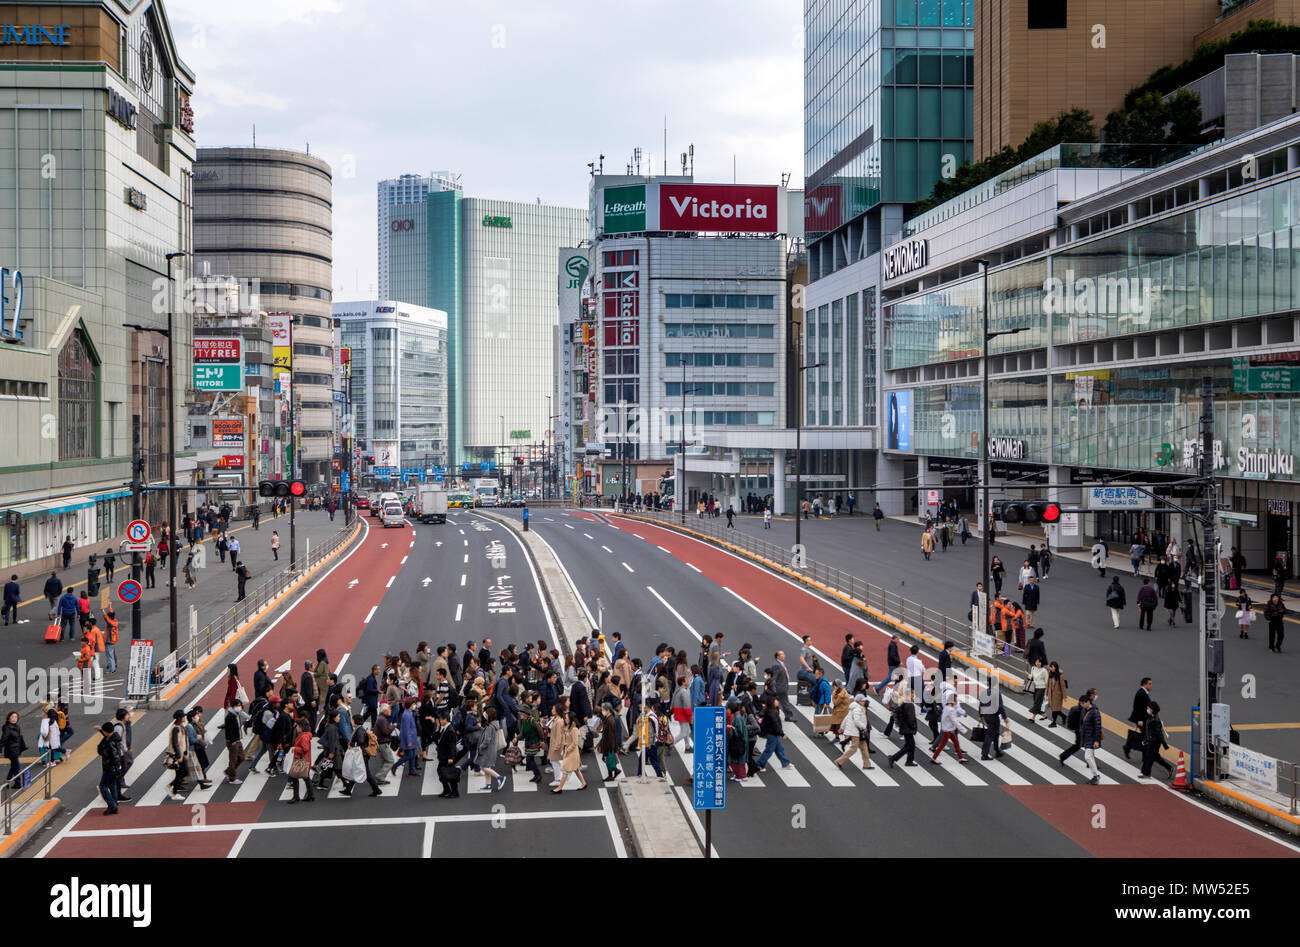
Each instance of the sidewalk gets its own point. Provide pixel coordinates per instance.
(23, 650)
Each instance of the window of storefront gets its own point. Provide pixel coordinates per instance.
(78, 400)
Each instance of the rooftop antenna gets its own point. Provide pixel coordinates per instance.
(691, 151)
(683, 164)
(785, 178)
(591, 167)
(733, 167)
(665, 146)
(255, 134)
(636, 156)
(602, 164)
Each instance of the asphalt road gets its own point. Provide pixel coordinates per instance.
(1264, 688)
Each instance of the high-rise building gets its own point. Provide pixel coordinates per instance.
(96, 154)
(490, 266)
(400, 210)
(888, 101)
(264, 215)
(398, 354)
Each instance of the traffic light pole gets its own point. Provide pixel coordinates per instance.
(137, 476)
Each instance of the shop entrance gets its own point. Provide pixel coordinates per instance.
(1278, 537)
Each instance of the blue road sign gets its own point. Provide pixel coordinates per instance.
(437, 478)
(343, 485)
(710, 775)
(128, 590)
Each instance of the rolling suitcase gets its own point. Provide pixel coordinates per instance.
(52, 634)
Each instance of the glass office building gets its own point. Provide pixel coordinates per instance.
(1132, 286)
(398, 354)
(401, 230)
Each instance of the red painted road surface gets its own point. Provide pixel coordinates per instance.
(183, 843)
(1140, 817)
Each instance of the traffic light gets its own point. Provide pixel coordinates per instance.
(280, 489)
(92, 581)
(1051, 513)
(370, 459)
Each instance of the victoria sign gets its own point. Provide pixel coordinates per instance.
(719, 207)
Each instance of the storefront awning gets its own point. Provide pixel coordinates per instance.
(66, 504)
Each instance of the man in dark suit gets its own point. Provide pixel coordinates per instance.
(992, 713)
(945, 661)
(261, 680)
(780, 685)
(448, 774)
(579, 699)
(453, 667)
(1135, 739)
(485, 655)
(894, 661)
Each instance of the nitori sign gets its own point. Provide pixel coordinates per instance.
(719, 207)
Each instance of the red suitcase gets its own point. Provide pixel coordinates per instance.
(52, 634)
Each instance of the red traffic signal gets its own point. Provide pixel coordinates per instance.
(297, 488)
(1051, 513)
(281, 488)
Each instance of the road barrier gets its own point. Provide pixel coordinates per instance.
(32, 783)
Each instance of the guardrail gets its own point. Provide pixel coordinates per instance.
(929, 621)
(31, 782)
(214, 634)
(1288, 774)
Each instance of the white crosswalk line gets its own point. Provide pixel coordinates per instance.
(155, 794)
(429, 785)
(961, 772)
(522, 781)
(253, 784)
(918, 773)
(876, 774)
(1050, 772)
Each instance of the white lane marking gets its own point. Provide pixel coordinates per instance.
(404, 558)
(391, 580)
(462, 580)
(466, 541)
(459, 606)
(520, 781)
(612, 823)
(589, 536)
(239, 843)
(608, 550)
(370, 614)
(342, 661)
(550, 519)
(591, 619)
(253, 784)
(688, 807)
(570, 527)
(537, 583)
(676, 614)
(665, 550)
(638, 536)
(430, 785)
(628, 567)
(695, 567)
(462, 532)
(412, 543)
(466, 558)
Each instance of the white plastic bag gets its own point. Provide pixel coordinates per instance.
(354, 767)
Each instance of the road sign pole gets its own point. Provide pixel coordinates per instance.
(708, 833)
(137, 469)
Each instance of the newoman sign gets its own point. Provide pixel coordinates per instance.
(905, 257)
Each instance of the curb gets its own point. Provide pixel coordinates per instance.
(1278, 818)
(31, 825)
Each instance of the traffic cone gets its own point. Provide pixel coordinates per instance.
(1180, 776)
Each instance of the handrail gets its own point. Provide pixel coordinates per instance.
(906, 616)
(30, 782)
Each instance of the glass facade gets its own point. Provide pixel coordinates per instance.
(842, 334)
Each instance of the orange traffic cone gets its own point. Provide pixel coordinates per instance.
(1180, 776)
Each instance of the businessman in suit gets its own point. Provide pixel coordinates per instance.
(1135, 739)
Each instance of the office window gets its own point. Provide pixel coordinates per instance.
(78, 400)
(673, 300)
(1046, 15)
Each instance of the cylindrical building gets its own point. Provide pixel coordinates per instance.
(264, 214)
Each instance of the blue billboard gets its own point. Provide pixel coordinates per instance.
(899, 436)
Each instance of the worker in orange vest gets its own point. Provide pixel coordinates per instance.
(84, 661)
(96, 635)
(110, 651)
(996, 612)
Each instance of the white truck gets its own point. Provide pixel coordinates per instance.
(486, 491)
(432, 507)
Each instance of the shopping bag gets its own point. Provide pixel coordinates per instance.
(354, 767)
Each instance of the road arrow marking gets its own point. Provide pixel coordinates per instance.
(284, 667)
(353, 583)
(438, 543)
(383, 545)
(425, 581)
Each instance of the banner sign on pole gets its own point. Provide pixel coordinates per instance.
(139, 667)
(710, 771)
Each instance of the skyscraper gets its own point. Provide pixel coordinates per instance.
(399, 207)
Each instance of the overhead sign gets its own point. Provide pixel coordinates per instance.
(719, 207)
(1250, 379)
(139, 668)
(1229, 518)
(218, 364)
(624, 209)
(903, 258)
(709, 785)
(1116, 498)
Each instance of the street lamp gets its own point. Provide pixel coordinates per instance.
(798, 444)
(986, 509)
(681, 485)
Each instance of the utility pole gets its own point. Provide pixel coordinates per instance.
(137, 488)
(1211, 650)
(172, 545)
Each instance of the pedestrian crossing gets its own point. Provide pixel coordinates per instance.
(1032, 759)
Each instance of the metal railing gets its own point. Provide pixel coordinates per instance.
(30, 783)
(213, 634)
(1288, 773)
(927, 620)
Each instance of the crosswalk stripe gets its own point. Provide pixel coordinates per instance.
(155, 793)
(252, 785)
(948, 762)
(875, 775)
(918, 773)
(430, 785)
(522, 781)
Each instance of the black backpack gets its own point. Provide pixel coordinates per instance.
(1074, 718)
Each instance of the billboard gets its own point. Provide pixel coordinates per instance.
(218, 364)
(228, 433)
(623, 209)
(900, 421)
(281, 333)
(572, 267)
(744, 208)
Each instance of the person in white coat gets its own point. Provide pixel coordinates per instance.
(50, 742)
(857, 728)
(948, 726)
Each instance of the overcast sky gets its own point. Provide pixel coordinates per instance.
(516, 96)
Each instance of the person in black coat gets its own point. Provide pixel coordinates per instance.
(1154, 739)
(945, 661)
(905, 717)
(579, 699)
(992, 713)
(1037, 649)
(448, 774)
(1138, 717)
(261, 680)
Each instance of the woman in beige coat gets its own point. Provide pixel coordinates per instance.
(555, 738)
(572, 760)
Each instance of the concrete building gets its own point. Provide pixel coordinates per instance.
(402, 234)
(96, 156)
(1132, 285)
(264, 215)
(398, 354)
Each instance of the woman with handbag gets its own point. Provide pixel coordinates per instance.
(530, 730)
(1056, 688)
(1038, 687)
(555, 739)
(234, 689)
(50, 742)
(300, 766)
(359, 748)
(571, 757)
(1245, 616)
(490, 737)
